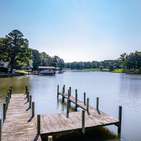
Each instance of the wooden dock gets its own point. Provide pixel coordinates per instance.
(21, 124)
(18, 125)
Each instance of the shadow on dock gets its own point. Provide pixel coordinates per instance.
(94, 134)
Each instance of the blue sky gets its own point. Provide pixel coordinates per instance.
(76, 29)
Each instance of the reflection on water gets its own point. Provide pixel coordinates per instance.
(113, 90)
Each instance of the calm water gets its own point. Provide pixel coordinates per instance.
(113, 90)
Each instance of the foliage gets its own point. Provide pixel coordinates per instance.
(14, 49)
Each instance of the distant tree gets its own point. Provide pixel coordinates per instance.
(36, 60)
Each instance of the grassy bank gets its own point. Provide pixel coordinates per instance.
(119, 71)
(22, 72)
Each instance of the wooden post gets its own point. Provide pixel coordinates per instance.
(76, 98)
(68, 107)
(88, 106)
(50, 138)
(26, 89)
(30, 101)
(10, 91)
(4, 111)
(33, 109)
(63, 91)
(38, 124)
(120, 120)
(83, 122)
(69, 91)
(27, 96)
(7, 101)
(68, 104)
(0, 129)
(84, 98)
(57, 91)
(97, 105)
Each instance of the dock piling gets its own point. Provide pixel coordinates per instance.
(57, 91)
(63, 93)
(83, 122)
(97, 105)
(76, 98)
(38, 124)
(30, 101)
(33, 109)
(120, 120)
(84, 98)
(4, 111)
(88, 106)
(68, 104)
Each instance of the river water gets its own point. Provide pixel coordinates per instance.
(112, 89)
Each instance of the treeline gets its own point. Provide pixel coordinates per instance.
(106, 64)
(127, 62)
(43, 59)
(14, 50)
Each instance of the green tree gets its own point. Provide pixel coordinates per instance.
(15, 49)
(36, 60)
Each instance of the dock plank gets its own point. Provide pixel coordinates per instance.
(16, 125)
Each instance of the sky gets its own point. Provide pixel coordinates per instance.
(75, 30)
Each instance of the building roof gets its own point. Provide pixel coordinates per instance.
(46, 67)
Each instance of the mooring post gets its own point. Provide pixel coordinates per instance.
(33, 109)
(83, 122)
(38, 124)
(63, 94)
(10, 91)
(63, 89)
(68, 104)
(50, 138)
(69, 96)
(7, 101)
(28, 96)
(88, 106)
(0, 129)
(4, 111)
(76, 98)
(84, 98)
(57, 91)
(120, 120)
(97, 105)
(69, 91)
(26, 90)
(30, 101)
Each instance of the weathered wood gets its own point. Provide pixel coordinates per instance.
(97, 105)
(83, 122)
(4, 111)
(33, 109)
(76, 97)
(58, 123)
(88, 106)
(6, 101)
(68, 105)
(30, 101)
(63, 93)
(57, 91)
(18, 125)
(38, 124)
(120, 120)
(84, 98)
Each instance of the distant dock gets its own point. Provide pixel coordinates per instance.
(21, 124)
